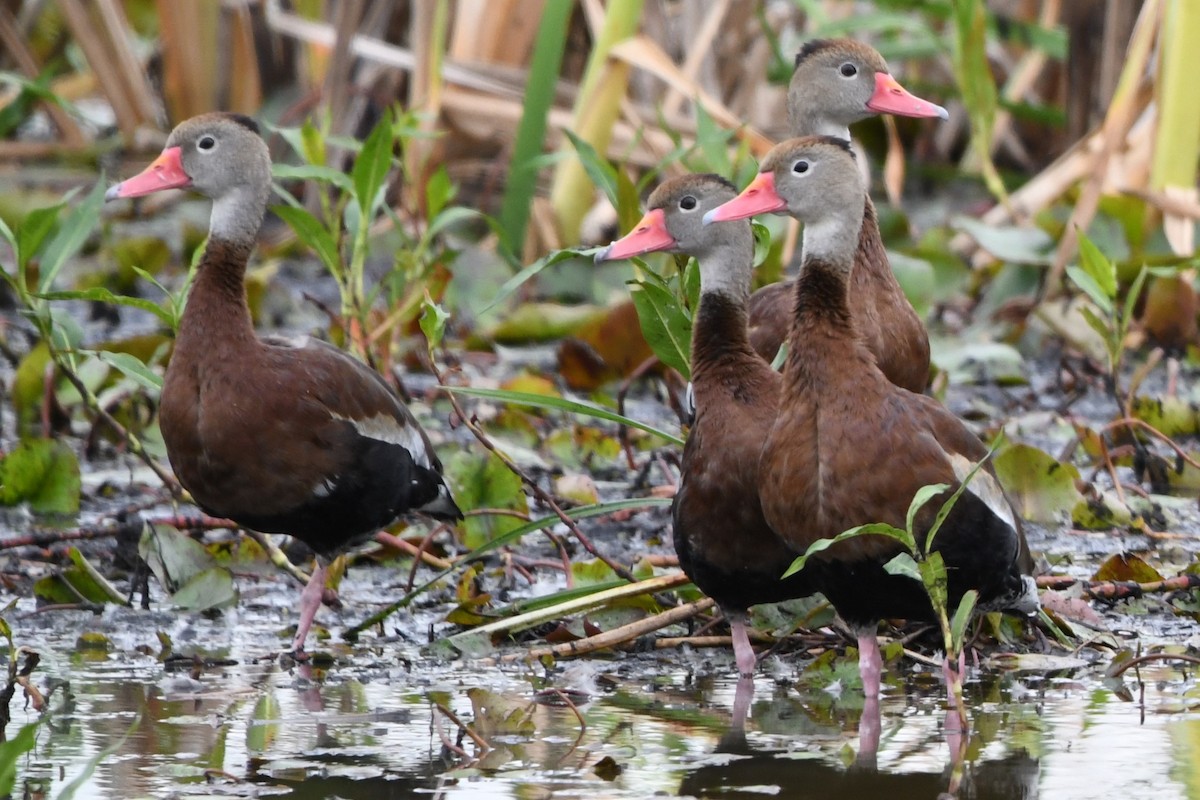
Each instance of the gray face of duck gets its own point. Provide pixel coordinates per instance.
(838, 82)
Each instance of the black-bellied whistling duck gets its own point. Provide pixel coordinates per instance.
(848, 446)
(724, 544)
(281, 435)
(836, 83)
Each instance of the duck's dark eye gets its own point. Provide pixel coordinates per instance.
(848, 70)
(206, 143)
(687, 203)
(800, 166)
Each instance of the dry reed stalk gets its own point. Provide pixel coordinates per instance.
(1025, 75)
(120, 34)
(495, 31)
(1122, 113)
(699, 47)
(12, 40)
(425, 91)
(617, 636)
(644, 53)
(244, 86)
(190, 52)
(98, 50)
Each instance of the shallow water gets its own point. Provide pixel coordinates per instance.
(370, 726)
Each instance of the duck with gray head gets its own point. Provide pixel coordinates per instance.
(281, 435)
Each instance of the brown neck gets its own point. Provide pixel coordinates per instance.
(824, 346)
(217, 314)
(870, 240)
(719, 335)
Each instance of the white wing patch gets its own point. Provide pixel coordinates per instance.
(298, 342)
(985, 487)
(386, 428)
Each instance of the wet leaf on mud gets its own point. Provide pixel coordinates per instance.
(500, 714)
(577, 489)
(264, 724)
(607, 769)
(1171, 416)
(1042, 488)
(1101, 513)
(580, 446)
(91, 582)
(212, 588)
(186, 570)
(480, 480)
(43, 473)
(1127, 567)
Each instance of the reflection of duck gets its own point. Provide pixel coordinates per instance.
(1014, 777)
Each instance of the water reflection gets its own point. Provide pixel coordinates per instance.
(370, 728)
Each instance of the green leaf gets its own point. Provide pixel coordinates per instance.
(43, 473)
(448, 217)
(1101, 270)
(933, 576)
(1017, 245)
(666, 326)
(132, 367)
(313, 172)
(602, 173)
(433, 321)
(439, 191)
(71, 235)
(100, 294)
(312, 233)
(11, 752)
(880, 528)
(103, 590)
(372, 165)
(1041, 487)
(904, 565)
(33, 230)
(481, 480)
(211, 588)
(562, 404)
(962, 616)
(923, 496)
(312, 143)
(1090, 287)
(628, 209)
(964, 480)
(9, 237)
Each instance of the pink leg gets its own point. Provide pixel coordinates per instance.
(743, 653)
(869, 728)
(310, 601)
(870, 662)
(743, 695)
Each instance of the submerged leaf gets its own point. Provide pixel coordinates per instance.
(1127, 567)
(43, 473)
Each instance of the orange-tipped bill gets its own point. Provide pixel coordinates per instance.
(759, 197)
(165, 172)
(649, 235)
(892, 98)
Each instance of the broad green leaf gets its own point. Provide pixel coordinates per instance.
(1018, 245)
(313, 172)
(174, 557)
(933, 576)
(132, 367)
(1097, 265)
(71, 235)
(1127, 567)
(33, 230)
(448, 217)
(1091, 288)
(1041, 487)
(904, 565)
(313, 234)
(962, 616)
(43, 473)
(880, 528)
(100, 294)
(602, 173)
(312, 143)
(665, 325)
(372, 165)
(562, 404)
(481, 480)
(211, 588)
(923, 496)
(439, 191)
